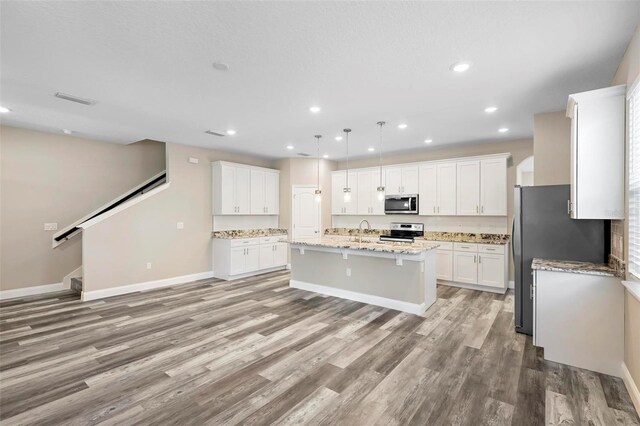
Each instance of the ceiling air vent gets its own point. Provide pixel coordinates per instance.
(211, 132)
(75, 99)
(303, 154)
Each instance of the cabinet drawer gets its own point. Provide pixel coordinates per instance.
(274, 239)
(239, 242)
(491, 248)
(444, 245)
(465, 247)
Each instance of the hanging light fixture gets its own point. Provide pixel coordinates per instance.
(346, 189)
(318, 190)
(380, 187)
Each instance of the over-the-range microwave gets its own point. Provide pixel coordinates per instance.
(401, 204)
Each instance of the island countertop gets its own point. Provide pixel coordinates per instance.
(366, 245)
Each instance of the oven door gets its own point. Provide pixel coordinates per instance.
(401, 205)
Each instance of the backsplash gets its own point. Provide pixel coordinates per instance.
(474, 224)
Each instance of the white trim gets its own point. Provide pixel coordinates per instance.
(246, 166)
(31, 291)
(398, 305)
(632, 387)
(499, 290)
(512, 285)
(124, 206)
(147, 285)
(505, 155)
(66, 281)
(633, 287)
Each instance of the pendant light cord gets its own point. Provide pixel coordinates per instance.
(380, 123)
(347, 131)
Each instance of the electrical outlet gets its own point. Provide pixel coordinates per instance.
(148, 265)
(348, 272)
(51, 226)
(180, 225)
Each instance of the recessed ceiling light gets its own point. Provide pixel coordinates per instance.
(231, 132)
(325, 156)
(315, 109)
(66, 131)
(4, 110)
(221, 66)
(338, 138)
(428, 140)
(490, 109)
(460, 66)
(503, 129)
(402, 126)
(290, 147)
(371, 149)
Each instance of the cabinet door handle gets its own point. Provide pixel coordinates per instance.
(479, 259)
(474, 259)
(438, 209)
(477, 209)
(482, 209)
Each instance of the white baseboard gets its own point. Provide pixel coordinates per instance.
(632, 387)
(147, 285)
(512, 285)
(398, 305)
(31, 291)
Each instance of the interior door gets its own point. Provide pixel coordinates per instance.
(468, 188)
(493, 187)
(243, 190)
(465, 268)
(447, 189)
(257, 201)
(305, 214)
(427, 201)
(272, 192)
(491, 270)
(410, 180)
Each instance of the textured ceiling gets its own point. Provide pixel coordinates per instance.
(149, 67)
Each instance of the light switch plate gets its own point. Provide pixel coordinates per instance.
(51, 226)
(193, 160)
(180, 225)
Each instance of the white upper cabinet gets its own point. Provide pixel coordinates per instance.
(597, 153)
(338, 183)
(428, 190)
(447, 189)
(468, 188)
(264, 191)
(243, 190)
(437, 190)
(367, 195)
(493, 187)
(401, 180)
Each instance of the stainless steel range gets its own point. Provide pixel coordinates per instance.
(403, 232)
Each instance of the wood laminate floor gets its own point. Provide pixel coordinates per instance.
(257, 352)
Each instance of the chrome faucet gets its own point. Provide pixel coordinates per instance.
(360, 227)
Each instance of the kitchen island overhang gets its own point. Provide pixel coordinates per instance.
(398, 276)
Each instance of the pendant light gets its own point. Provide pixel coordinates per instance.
(346, 189)
(380, 187)
(318, 190)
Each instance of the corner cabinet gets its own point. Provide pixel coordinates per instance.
(239, 189)
(597, 153)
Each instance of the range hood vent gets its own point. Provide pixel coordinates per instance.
(303, 154)
(214, 133)
(75, 99)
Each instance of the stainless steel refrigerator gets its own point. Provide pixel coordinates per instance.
(542, 228)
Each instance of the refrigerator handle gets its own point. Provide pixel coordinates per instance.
(513, 246)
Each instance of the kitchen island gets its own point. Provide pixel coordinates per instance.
(393, 275)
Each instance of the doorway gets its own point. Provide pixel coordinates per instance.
(305, 212)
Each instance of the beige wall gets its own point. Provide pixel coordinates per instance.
(148, 229)
(519, 150)
(629, 72)
(552, 148)
(303, 171)
(49, 177)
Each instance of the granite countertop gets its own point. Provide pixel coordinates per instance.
(457, 237)
(248, 233)
(587, 268)
(378, 246)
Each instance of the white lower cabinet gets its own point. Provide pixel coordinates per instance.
(236, 258)
(481, 266)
